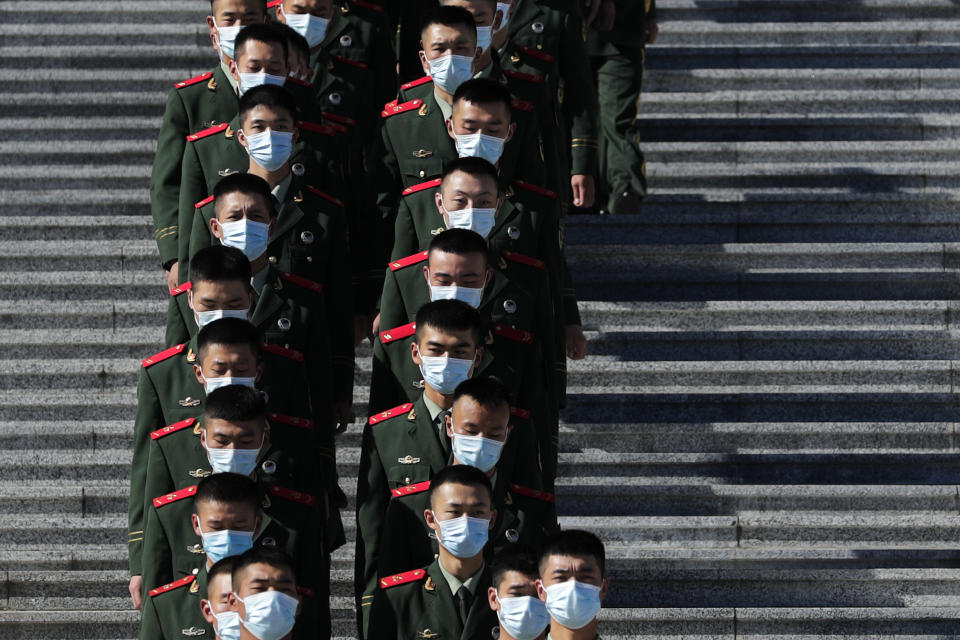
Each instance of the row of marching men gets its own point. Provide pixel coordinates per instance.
(278, 196)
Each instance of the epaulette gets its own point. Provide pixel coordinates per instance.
(400, 108)
(293, 421)
(522, 105)
(359, 65)
(429, 184)
(277, 350)
(217, 128)
(409, 260)
(543, 191)
(520, 413)
(367, 5)
(316, 287)
(176, 584)
(292, 495)
(526, 337)
(163, 355)
(533, 493)
(417, 82)
(186, 286)
(536, 53)
(522, 259)
(397, 333)
(194, 80)
(325, 196)
(203, 203)
(274, 3)
(302, 83)
(172, 428)
(170, 498)
(411, 489)
(518, 75)
(392, 103)
(313, 127)
(402, 578)
(390, 413)
(338, 118)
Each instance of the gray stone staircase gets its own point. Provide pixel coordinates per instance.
(765, 432)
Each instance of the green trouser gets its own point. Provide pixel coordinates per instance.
(622, 170)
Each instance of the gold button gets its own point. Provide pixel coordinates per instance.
(273, 259)
(309, 258)
(422, 173)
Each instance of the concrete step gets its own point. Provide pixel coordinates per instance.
(793, 11)
(900, 33)
(762, 102)
(903, 79)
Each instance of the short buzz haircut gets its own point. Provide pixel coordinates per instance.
(459, 242)
(492, 4)
(228, 488)
(514, 557)
(223, 566)
(474, 166)
(266, 95)
(236, 403)
(262, 4)
(572, 542)
(230, 331)
(295, 41)
(271, 556)
(266, 33)
(450, 316)
(453, 17)
(489, 393)
(247, 184)
(460, 474)
(220, 263)
(484, 91)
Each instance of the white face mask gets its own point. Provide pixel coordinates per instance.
(504, 8)
(313, 28)
(480, 145)
(250, 80)
(270, 614)
(449, 72)
(226, 36)
(248, 236)
(203, 318)
(524, 617)
(573, 604)
(477, 451)
(228, 625)
(471, 296)
(479, 219)
(212, 384)
(464, 537)
(242, 461)
(484, 38)
(269, 148)
(443, 373)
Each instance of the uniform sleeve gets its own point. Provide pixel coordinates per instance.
(165, 178)
(389, 185)
(579, 98)
(150, 628)
(157, 555)
(406, 241)
(339, 299)
(372, 499)
(532, 167)
(193, 189)
(158, 481)
(149, 417)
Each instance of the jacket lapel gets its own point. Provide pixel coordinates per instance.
(268, 302)
(290, 212)
(427, 437)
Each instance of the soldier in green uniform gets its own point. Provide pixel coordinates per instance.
(448, 598)
(266, 595)
(573, 583)
(616, 45)
(513, 594)
(192, 105)
(216, 605)
(171, 388)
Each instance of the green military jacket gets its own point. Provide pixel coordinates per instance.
(545, 60)
(173, 610)
(419, 604)
(192, 105)
(168, 392)
(629, 23)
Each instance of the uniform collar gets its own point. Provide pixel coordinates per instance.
(445, 107)
(454, 582)
(280, 191)
(226, 72)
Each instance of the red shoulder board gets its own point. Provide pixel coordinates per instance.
(522, 259)
(391, 413)
(526, 337)
(354, 63)
(536, 53)
(520, 413)
(302, 83)
(397, 333)
(400, 108)
(293, 421)
(293, 496)
(417, 82)
(203, 202)
(305, 592)
(182, 582)
(523, 76)
(410, 489)
(392, 103)
(274, 3)
(533, 493)
(313, 127)
(280, 351)
(325, 196)
(217, 128)
(186, 286)
(409, 260)
(367, 5)
(316, 287)
(195, 80)
(163, 355)
(173, 497)
(522, 105)
(429, 184)
(339, 128)
(172, 428)
(341, 119)
(402, 578)
(536, 189)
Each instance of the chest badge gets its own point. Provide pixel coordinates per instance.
(269, 467)
(193, 631)
(283, 324)
(512, 535)
(537, 27)
(335, 98)
(199, 473)
(346, 41)
(424, 110)
(188, 402)
(509, 306)
(269, 542)
(422, 153)
(408, 459)
(513, 232)
(306, 237)
(427, 633)
(226, 172)
(298, 169)
(437, 231)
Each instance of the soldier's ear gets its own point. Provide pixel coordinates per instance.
(195, 522)
(499, 205)
(510, 131)
(215, 229)
(213, 34)
(234, 71)
(448, 424)
(426, 274)
(241, 136)
(493, 519)
(438, 200)
(198, 372)
(541, 592)
(492, 599)
(423, 60)
(450, 132)
(604, 588)
(207, 611)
